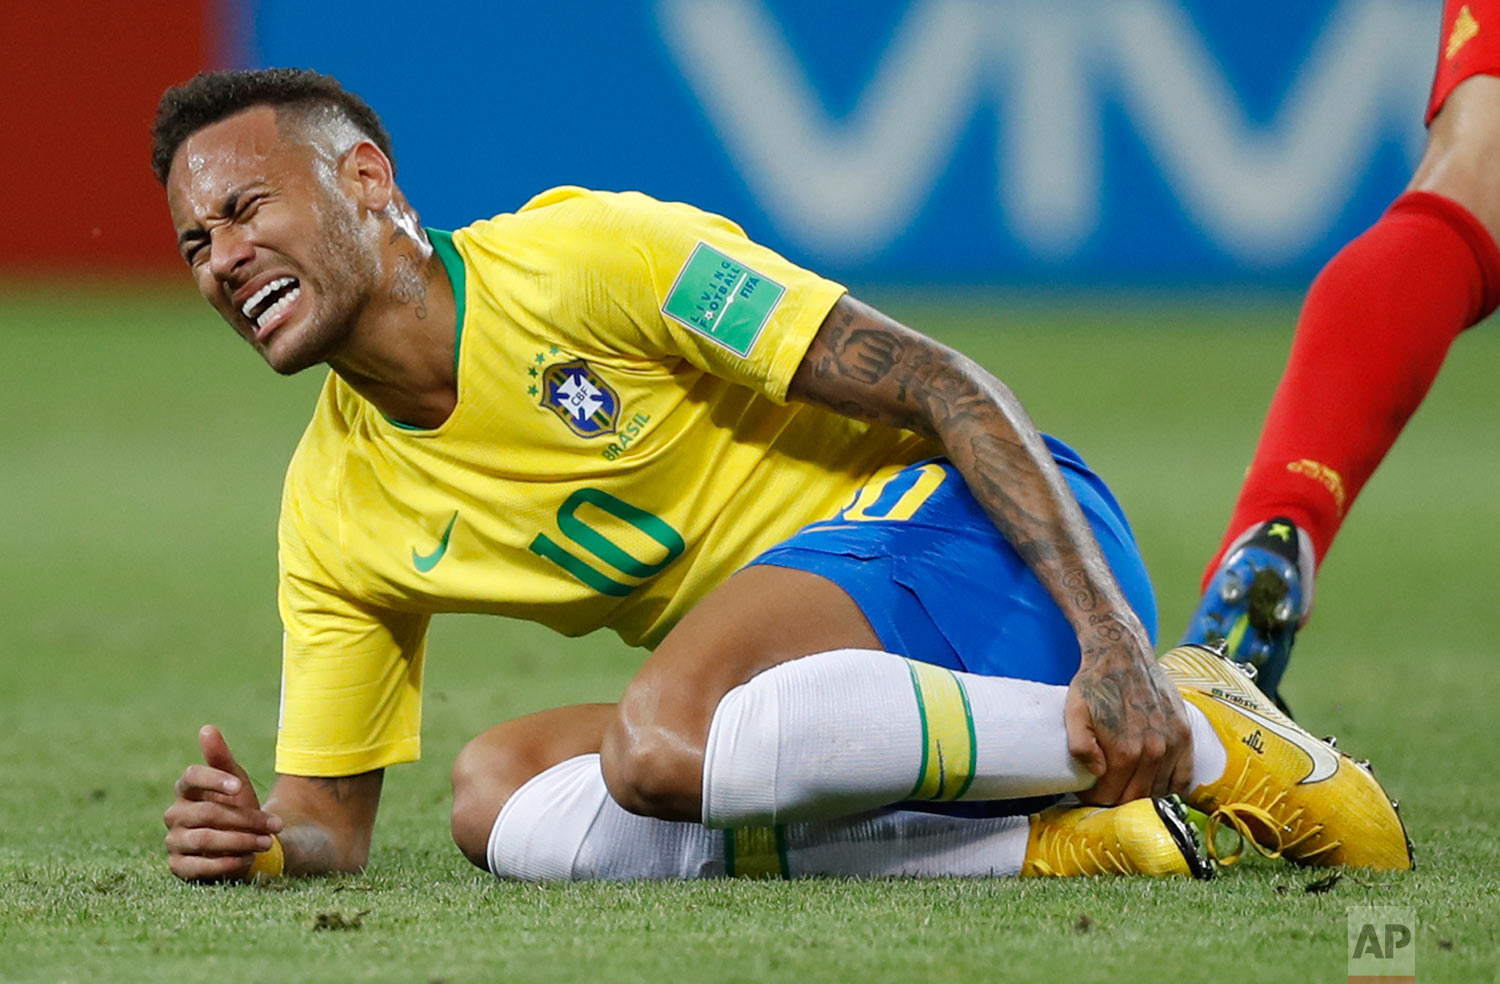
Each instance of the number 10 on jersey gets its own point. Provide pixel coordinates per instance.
(613, 558)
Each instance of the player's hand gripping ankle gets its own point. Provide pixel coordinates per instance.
(1125, 718)
(215, 825)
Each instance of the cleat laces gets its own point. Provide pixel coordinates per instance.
(1257, 805)
(1061, 854)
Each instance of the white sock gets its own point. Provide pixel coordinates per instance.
(851, 730)
(1209, 757)
(563, 825)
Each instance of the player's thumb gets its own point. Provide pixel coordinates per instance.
(217, 754)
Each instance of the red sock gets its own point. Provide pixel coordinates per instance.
(1373, 333)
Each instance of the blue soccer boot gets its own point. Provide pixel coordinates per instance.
(1254, 605)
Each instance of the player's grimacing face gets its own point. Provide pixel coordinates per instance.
(273, 239)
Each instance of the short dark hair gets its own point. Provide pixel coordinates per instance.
(209, 97)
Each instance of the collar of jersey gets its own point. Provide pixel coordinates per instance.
(453, 263)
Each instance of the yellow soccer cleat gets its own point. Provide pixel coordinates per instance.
(1283, 790)
(1143, 837)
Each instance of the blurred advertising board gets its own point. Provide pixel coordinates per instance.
(983, 142)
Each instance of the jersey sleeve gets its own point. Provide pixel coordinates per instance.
(665, 279)
(351, 677)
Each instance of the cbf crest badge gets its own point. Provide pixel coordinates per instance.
(586, 403)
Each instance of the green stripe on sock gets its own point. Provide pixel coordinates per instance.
(916, 686)
(973, 740)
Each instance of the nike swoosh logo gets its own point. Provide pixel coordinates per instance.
(1325, 761)
(426, 562)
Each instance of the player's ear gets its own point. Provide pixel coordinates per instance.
(369, 172)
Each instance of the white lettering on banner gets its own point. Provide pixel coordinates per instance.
(1051, 147)
(846, 188)
(1266, 193)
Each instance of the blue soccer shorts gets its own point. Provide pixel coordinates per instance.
(940, 584)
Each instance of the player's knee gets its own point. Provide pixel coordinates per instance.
(652, 771)
(485, 774)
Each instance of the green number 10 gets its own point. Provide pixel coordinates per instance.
(596, 543)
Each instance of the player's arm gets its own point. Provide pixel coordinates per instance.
(216, 826)
(1125, 718)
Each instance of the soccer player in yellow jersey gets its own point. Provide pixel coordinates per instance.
(866, 581)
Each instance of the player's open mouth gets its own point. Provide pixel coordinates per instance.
(266, 306)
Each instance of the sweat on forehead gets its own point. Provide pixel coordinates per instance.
(262, 133)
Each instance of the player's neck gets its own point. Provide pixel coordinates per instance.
(400, 355)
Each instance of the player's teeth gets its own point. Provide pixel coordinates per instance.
(261, 294)
(274, 311)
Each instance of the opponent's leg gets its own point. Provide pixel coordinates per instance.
(1373, 333)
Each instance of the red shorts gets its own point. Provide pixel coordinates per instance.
(1468, 45)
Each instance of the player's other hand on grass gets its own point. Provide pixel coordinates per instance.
(1125, 718)
(215, 825)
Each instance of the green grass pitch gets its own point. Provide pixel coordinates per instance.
(143, 452)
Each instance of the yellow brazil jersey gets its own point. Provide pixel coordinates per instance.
(621, 444)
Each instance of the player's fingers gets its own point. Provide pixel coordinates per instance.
(1083, 744)
(216, 751)
(1146, 776)
(197, 781)
(1161, 784)
(1153, 768)
(203, 813)
(1181, 781)
(210, 841)
(1177, 764)
(1133, 787)
(1110, 787)
(190, 867)
(1122, 780)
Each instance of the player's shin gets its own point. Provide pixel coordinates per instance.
(563, 825)
(850, 730)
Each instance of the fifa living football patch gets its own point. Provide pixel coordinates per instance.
(722, 299)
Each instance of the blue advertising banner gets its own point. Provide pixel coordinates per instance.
(1032, 142)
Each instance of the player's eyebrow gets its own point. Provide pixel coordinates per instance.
(228, 206)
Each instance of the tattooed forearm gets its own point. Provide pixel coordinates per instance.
(864, 355)
(1125, 719)
(866, 366)
(868, 356)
